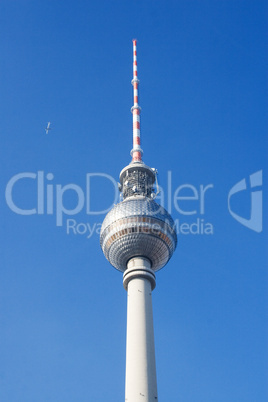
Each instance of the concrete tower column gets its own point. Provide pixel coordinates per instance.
(139, 281)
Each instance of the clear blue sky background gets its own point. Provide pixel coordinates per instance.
(203, 91)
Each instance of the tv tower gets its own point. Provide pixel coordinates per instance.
(138, 238)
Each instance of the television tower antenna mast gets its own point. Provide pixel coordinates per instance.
(136, 151)
(138, 238)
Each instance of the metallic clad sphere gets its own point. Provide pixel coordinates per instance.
(138, 226)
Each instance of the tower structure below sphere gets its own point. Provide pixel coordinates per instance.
(138, 238)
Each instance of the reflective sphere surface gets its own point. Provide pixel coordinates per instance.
(138, 226)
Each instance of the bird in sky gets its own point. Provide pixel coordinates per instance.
(48, 127)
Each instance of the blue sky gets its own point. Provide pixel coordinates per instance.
(203, 92)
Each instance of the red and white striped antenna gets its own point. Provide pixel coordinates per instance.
(136, 151)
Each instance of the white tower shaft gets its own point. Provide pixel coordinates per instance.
(139, 280)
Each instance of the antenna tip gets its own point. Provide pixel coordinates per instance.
(134, 41)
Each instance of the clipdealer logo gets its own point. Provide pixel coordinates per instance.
(186, 200)
(255, 220)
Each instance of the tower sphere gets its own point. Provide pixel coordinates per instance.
(138, 226)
